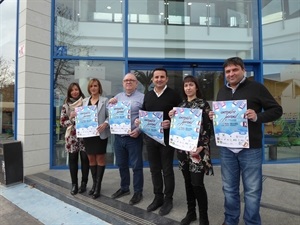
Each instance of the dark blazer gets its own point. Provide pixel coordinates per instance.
(102, 114)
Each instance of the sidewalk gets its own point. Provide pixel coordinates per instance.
(280, 203)
(11, 214)
(25, 205)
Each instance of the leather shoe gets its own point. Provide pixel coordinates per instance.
(120, 193)
(74, 189)
(157, 202)
(190, 217)
(136, 198)
(82, 187)
(166, 208)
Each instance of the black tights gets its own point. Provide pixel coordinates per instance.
(73, 166)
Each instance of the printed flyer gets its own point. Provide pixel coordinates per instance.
(231, 124)
(150, 124)
(86, 121)
(119, 117)
(185, 128)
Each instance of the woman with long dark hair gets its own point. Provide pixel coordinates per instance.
(195, 164)
(73, 145)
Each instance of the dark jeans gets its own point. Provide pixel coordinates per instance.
(128, 152)
(161, 167)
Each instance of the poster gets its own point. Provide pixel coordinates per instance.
(119, 117)
(231, 124)
(185, 128)
(150, 124)
(86, 121)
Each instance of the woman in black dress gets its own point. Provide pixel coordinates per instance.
(96, 146)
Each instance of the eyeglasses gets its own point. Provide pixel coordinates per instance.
(125, 81)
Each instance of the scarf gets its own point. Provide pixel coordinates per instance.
(72, 107)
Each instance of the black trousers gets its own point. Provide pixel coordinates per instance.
(161, 167)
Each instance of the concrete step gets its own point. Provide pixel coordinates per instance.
(105, 208)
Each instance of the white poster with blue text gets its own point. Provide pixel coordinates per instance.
(86, 121)
(150, 124)
(231, 124)
(185, 128)
(119, 117)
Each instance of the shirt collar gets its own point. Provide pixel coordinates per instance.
(130, 93)
(233, 90)
(159, 94)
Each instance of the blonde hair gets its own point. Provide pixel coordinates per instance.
(90, 84)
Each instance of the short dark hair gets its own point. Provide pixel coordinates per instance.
(193, 79)
(160, 69)
(237, 61)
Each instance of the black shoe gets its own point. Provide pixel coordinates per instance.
(82, 187)
(74, 189)
(136, 198)
(190, 217)
(157, 202)
(166, 208)
(96, 195)
(120, 193)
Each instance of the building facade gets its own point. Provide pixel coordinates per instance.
(62, 41)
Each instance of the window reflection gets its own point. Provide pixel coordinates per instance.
(281, 29)
(284, 134)
(7, 69)
(110, 74)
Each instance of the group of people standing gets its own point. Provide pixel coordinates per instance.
(194, 165)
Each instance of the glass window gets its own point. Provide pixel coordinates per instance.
(282, 137)
(7, 68)
(88, 28)
(110, 74)
(281, 30)
(191, 29)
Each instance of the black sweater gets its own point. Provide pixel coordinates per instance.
(260, 100)
(165, 103)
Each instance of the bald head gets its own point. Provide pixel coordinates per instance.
(130, 83)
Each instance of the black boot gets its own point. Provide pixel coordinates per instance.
(82, 187)
(84, 171)
(100, 172)
(190, 198)
(74, 189)
(93, 172)
(201, 195)
(73, 166)
(190, 217)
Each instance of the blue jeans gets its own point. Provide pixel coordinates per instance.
(128, 152)
(248, 164)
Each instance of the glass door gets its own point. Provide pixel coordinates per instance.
(210, 79)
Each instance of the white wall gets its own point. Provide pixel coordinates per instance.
(34, 85)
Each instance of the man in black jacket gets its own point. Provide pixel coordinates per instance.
(247, 162)
(160, 157)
